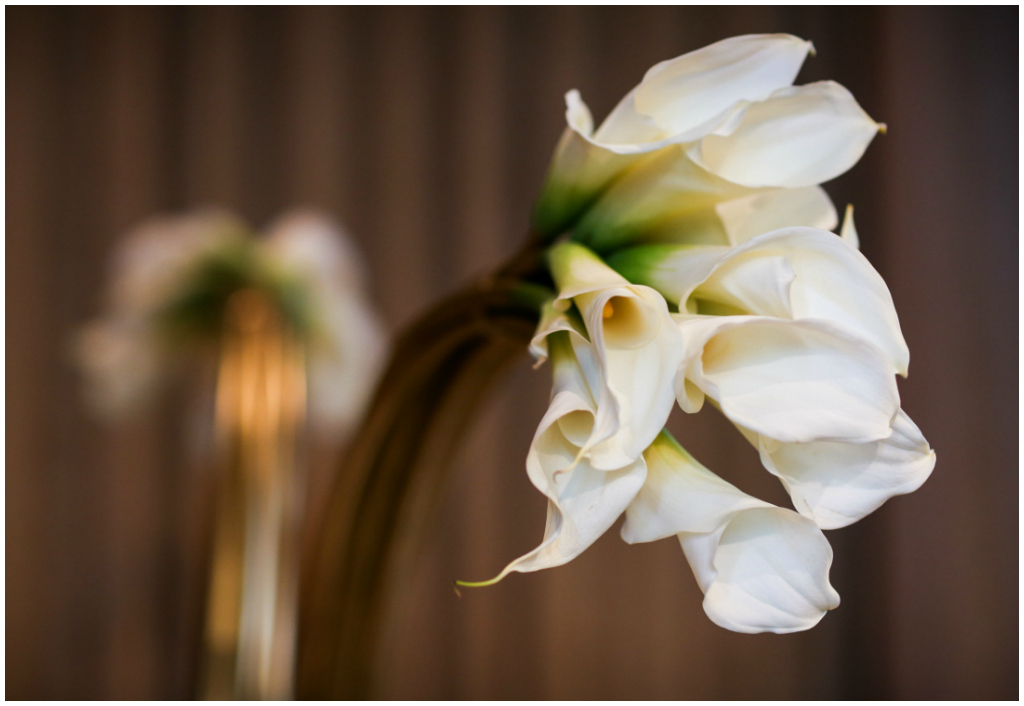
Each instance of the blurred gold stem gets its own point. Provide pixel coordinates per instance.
(249, 639)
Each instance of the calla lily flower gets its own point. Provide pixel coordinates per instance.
(836, 484)
(790, 273)
(670, 199)
(793, 381)
(728, 109)
(635, 343)
(583, 501)
(762, 568)
(805, 429)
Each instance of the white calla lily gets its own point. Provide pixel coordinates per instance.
(836, 484)
(678, 101)
(761, 568)
(583, 501)
(794, 381)
(637, 347)
(794, 273)
(672, 200)
(799, 136)
(715, 125)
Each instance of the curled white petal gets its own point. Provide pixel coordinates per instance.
(836, 484)
(800, 136)
(583, 502)
(764, 211)
(831, 280)
(795, 381)
(761, 568)
(683, 94)
(637, 346)
(678, 101)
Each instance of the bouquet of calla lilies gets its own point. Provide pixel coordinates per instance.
(692, 251)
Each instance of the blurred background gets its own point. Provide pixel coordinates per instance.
(427, 132)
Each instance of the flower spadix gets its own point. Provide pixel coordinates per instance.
(729, 109)
(761, 568)
(636, 347)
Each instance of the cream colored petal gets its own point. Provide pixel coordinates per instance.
(637, 346)
(834, 281)
(800, 136)
(577, 270)
(664, 198)
(831, 280)
(640, 378)
(691, 91)
(768, 572)
(674, 271)
(795, 381)
(583, 501)
(680, 495)
(579, 171)
(761, 568)
(755, 283)
(837, 484)
(626, 126)
(765, 211)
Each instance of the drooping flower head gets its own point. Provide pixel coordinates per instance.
(691, 253)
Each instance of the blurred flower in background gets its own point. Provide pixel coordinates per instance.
(171, 280)
(297, 342)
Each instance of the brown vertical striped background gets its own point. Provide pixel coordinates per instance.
(427, 132)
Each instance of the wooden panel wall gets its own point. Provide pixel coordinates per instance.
(427, 132)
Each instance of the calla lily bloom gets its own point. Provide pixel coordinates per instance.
(670, 199)
(583, 501)
(797, 275)
(793, 381)
(836, 484)
(637, 347)
(730, 109)
(762, 568)
(790, 273)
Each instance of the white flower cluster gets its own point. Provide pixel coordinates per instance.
(303, 258)
(694, 262)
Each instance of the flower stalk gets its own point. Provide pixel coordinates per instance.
(439, 373)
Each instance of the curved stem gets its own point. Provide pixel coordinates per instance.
(441, 368)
